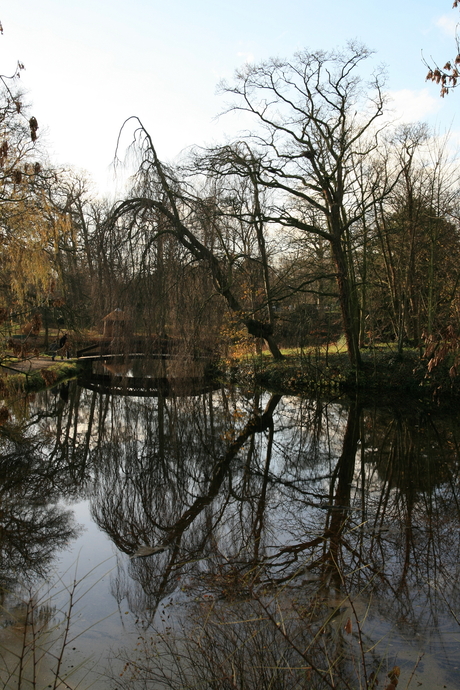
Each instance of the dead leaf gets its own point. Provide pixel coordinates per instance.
(373, 681)
(143, 551)
(394, 675)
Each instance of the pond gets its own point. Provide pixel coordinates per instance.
(219, 538)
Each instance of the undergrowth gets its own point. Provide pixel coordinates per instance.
(317, 370)
(37, 379)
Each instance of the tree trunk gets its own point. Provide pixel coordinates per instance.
(260, 329)
(348, 304)
(201, 252)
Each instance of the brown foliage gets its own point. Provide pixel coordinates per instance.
(33, 326)
(348, 627)
(394, 678)
(4, 414)
(19, 350)
(49, 377)
(33, 124)
(3, 153)
(36, 324)
(448, 76)
(440, 346)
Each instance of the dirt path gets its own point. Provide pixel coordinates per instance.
(32, 364)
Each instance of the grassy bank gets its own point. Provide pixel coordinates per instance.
(316, 370)
(300, 371)
(38, 379)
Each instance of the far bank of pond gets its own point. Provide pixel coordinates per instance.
(383, 372)
(36, 374)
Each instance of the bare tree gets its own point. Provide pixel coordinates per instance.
(317, 120)
(159, 194)
(413, 240)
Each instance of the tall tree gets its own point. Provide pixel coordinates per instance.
(317, 119)
(232, 173)
(414, 239)
(25, 239)
(172, 207)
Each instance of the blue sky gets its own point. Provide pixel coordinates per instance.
(90, 64)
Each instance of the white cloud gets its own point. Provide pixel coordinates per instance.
(448, 24)
(413, 106)
(247, 57)
(454, 142)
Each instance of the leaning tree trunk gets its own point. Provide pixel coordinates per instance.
(259, 329)
(168, 207)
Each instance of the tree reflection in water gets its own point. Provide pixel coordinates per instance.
(295, 533)
(35, 476)
(243, 496)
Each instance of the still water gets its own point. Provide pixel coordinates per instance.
(281, 541)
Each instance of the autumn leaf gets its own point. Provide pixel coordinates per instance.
(143, 551)
(394, 675)
(373, 680)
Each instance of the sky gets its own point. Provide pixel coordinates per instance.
(91, 64)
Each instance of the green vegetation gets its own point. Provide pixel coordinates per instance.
(38, 379)
(309, 370)
(383, 371)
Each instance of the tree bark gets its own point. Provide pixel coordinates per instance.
(348, 304)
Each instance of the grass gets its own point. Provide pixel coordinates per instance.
(38, 379)
(265, 639)
(327, 370)
(317, 369)
(261, 639)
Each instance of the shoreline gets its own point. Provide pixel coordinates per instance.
(383, 373)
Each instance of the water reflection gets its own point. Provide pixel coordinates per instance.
(34, 479)
(246, 493)
(336, 520)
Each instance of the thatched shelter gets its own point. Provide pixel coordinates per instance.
(115, 324)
